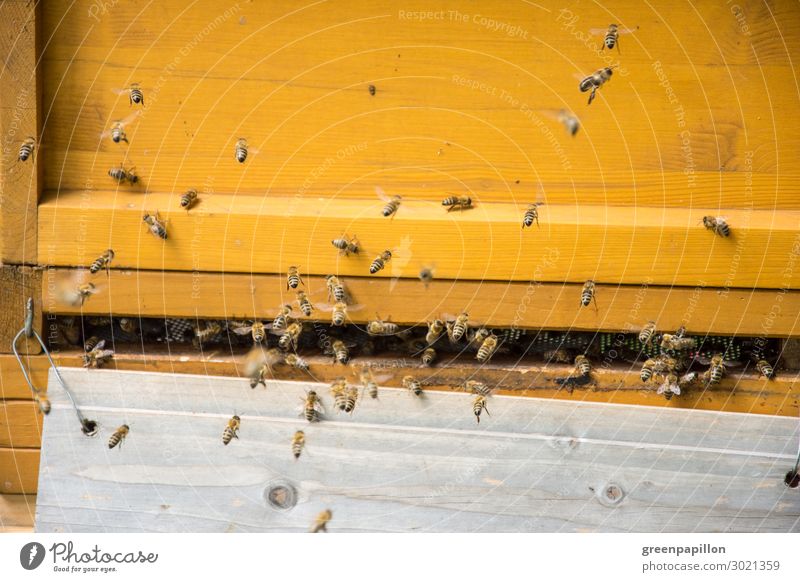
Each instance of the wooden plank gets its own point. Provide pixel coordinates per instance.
(466, 112)
(17, 513)
(405, 464)
(20, 94)
(20, 424)
(17, 284)
(19, 470)
(12, 382)
(702, 310)
(575, 243)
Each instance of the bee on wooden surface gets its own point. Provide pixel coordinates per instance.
(367, 380)
(646, 335)
(435, 330)
(102, 262)
(296, 362)
(428, 356)
(372, 90)
(426, 275)
(312, 407)
(188, 198)
(120, 174)
(344, 396)
(321, 523)
(531, 215)
(676, 343)
(335, 288)
(647, 369)
(43, 402)
(232, 430)
(717, 225)
(118, 436)
(157, 228)
(306, 308)
(392, 203)
(341, 353)
(611, 35)
(97, 356)
(765, 369)
(339, 313)
(594, 81)
(26, 149)
(380, 261)
(241, 150)
(476, 338)
(290, 336)
(587, 294)
(670, 386)
(478, 406)
(128, 325)
(204, 334)
(347, 246)
(457, 202)
(715, 371)
(413, 385)
(380, 327)
(257, 330)
(293, 278)
(298, 442)
(282, 319)
(91, 343)
(582, 365)
(476, 387)
(487, 349)
(459, 328)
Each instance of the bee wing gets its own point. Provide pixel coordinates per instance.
(122, 123)
(598, 31)
(381, 378)
(120, 91)
(105, 354)
(356, 307)
(381, 193)
(627, 30)
(243, 330)
(100, 345)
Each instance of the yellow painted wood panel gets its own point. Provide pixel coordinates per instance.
(20, 424)
(19, 470)
(12, 382)
(702, 310)
(574, 244)
(459, 105)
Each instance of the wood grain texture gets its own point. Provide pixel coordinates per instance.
(531, 466)
(20, 95)
(17, 513)
(12, 382)
(17, 284)
(20, 424)
(574, 243)
(19, 470)
(696, 114)
(701, 310)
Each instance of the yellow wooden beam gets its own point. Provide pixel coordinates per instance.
(20, 424)
(17, 513)
(19, 470)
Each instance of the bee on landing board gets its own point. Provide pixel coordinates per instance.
(457, 203)
(240, 150)
(476, 387)
(717, 225)
(232, 430)
(428, 357)
(715, 371)
(478, 406)
(341, 353)
(435, 330)
(293, 279)
(157, 228)
(321, 523)
(335, 288)
(412, 384)
(312, 407)
(380, 262)
(582, 365)
(296, 362)
(298, 442)
(257, 330)
(26, 149)
(102, 262)
(587, 294)
(121, 175)
(188, 199)
(306, 308)
(487, 349)
(118, 436)
(459, 328)
(765, 369)
(594, 81)
(646, 335)
(347, 246)
(531, 215)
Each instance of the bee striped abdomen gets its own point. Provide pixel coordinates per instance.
(231, 430)
(531, 216)
(429, 356)
(118, 134)
(479, 406)
(240, 151)
(647, 332)
(26, 149)
(583, 365)
(391, 206)
(188, 198)
(587, 294)
(765, 369)
(647, 370)
(611, 36)
(298, 442)
(136, 96)
(118, 436)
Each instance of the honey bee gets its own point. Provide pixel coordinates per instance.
(715, 371)
(647, 369)
(587, 294)
(611, 38)
(426, 275)
(594, 81)
(344, 397)
(156, 226)
(380, 327)
(128, 325)
(288, 339)
(558, 355)
(97, 356)
(26, 149)
(429, 356)
(478, 406)
(717, 225)
(188, 198)
(240, 150)
(372, 90)
(335, 288)
(392, 204)
(296, 362)
(476, 387)
(135, 95)
(120, 174)
(306, 308)
(531, 215)
(43, 402)
(232, 430)
(77, 296)
(487, 349)
(293, 278)
(260, 377)
(282, 319)
(369, 381)
(765, 369)
(339, 313)
(205, 334)
(380, 262)
(457, 202)
(569, 121)
(321, 523)
(646, 335)
(103, 261)
(435, 330)
(118, 133)
(257, 330)
(346, 246)
(91, 343)
(677, 343)
(670, 386)
(458, 328)
(582, 365)
(340, 352)
(118, 436)
(312, 407)
(298, 442)
(412, 384)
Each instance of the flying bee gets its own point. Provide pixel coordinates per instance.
(341, 353)
(347, 246)
(156, 226)
(458, 329)
(120, 174)
(335, 288)
(282, 319)
(765, 369)
(260, 377)
(43, 402)
(339, 314)
(312, 407)
(587, 294)
(670, 386)
(298, 442)
(435, 330)
(372, 90)
(647, 369)
(676, 343)
(103, 261)
(321, 523)
(257, 330)
(240, 150)
(296, 362)
(557, 355)
(306, 308)
(487, 349)
(97, 356)
(77, 296)
(188, 198)
(135, 94)
(392, 203)
(476, 387)
(594, 81)
(380, 262)
(26, 149)
(118, 436)
(232, 430)
(717, 225)
(380, 327)
(290, 336)
(117, 130)
(429, 356)
(412, 384)
(205, 334)
(457, 202)
(569, 121)
(611, 35)
(128, 325)
(582, 365)
(426, 275)
(293, 279)
(478, 406)
(646, 335)
(715, 371)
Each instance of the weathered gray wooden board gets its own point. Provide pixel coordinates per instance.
(403, 464)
